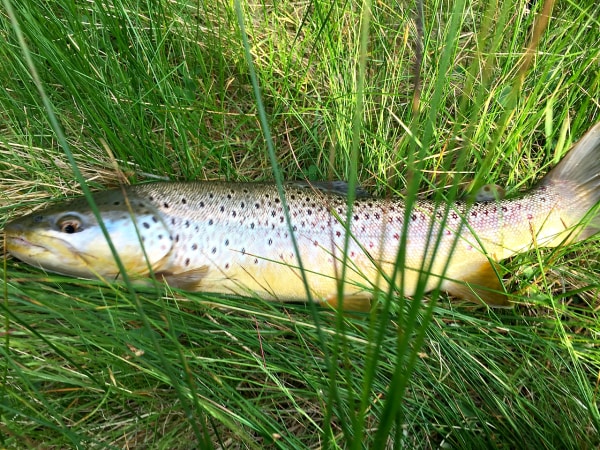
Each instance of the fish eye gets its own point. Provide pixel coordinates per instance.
(69, 225)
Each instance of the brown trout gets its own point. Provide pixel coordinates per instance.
(234, 237)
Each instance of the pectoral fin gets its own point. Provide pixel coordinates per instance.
(482, 284)
(189, 280)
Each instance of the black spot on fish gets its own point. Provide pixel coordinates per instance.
(201, 204)
(242, 205)
(154, 219)
(473, 213)
(116, 203)
(165, 204)
(160, 236)
(252, 226)
(210, 222)
(172, 221)
(187, 223)
(413, 217)
(309, 212)
(183, 201)
(226, 242)
(504, 209)
(187, 261)
(356, 217)
(257, 205)
(229, 196)
(255, 261)
(194, 246)
(211, 195)
(277, 200)
(293, 197)
(338, 233)
(454, 216)
(222, 209)
(227, 266)
(243, 251)
(281, 219)
(151, 198)
(176, 238)
(146, 225)
(214, 250)
(294, 228)
(233, 213)
(270, 241)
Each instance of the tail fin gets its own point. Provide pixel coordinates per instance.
(579, 170)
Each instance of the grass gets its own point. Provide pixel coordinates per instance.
(165, 89)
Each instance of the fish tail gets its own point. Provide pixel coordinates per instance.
(577, 179)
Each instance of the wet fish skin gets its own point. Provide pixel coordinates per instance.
(233, 237)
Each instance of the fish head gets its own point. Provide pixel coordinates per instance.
(69, 240)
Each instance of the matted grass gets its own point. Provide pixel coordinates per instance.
(165, 90)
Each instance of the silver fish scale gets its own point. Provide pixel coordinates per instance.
(234, 228)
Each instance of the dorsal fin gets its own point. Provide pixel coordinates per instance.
(337, 187)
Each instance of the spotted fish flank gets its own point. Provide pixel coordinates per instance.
(234, 238)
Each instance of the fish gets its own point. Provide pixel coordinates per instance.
(235, 238)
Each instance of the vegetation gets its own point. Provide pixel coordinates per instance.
(127, 91)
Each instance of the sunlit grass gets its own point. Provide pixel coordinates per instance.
(165, 90)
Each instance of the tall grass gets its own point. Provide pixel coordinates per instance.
(170, 90)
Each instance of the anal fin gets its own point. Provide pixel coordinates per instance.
(350, 303)
(479, 285)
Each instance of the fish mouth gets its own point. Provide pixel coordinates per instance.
(19, 243)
